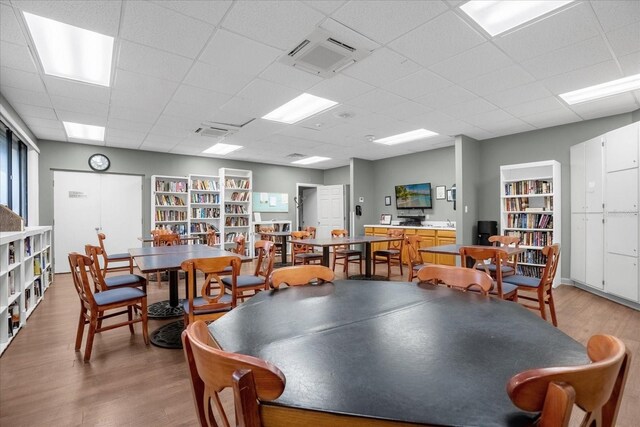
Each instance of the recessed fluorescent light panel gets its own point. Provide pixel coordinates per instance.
(80, 131)
(299, 108)
(498, 16)
(310, 160)
(222, 149)
(406, 137)
(71, 52)
(602, 90)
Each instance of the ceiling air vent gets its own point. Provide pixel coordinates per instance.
(323, 54)
(219, 130)
(295, 156)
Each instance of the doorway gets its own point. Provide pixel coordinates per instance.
(321, 206)
(86, 203)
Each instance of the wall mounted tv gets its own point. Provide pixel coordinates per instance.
(413, 196)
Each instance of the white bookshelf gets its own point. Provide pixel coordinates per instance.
(25, 274)
(169, 201)
(530, 208)
(204, 206)
(236, 188)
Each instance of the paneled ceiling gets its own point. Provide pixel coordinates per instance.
(181, 63)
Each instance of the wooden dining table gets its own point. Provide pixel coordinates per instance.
(397, 353)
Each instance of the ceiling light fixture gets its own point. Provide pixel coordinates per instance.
(222, 149)
(305, 105)
(310, 160)
(80, 131)
(497, 16)
(71, 52)
(406, 137)
(602, 90)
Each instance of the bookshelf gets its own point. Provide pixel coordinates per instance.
(204, 206)
(530, 209)
(235, 192)
(169, 198)
(25, 274)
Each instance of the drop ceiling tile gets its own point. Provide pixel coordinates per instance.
(43, 123)
(290, 76)
(535, 106)
(445, 97)
(15, 95)
(289, 22)
(212, 77)
(551, 118)
(155, 26)
(44, 133)
(178, 127)
(617, 104)
(498, 80)
(578, 79)
(436, 121)
(142, 89)
(129, 125)
(398, 17)
(206, 99)
(417, 84)
(122, 143)
(126, 113)
(518, 95)
(630, 64)
(21, 79)
(469, 108)
(87, 142)
(491, 119)
(340, 88)
(16, 56)
(87, 119)
(72, 89)
(376, 100)
(122, 136)
(472, 63)
(10, 30)
(153, 62)
(260, 128)
(405, 110)
(615, 14)
(327, 6)
(204, 10)
(79, 106)
(100, 16)
(25, 110)
(231, 118)
(162, 140)
(511, 129)
(267, 96)
(235, 52)
(437, 40)
(382, 67)
(579, 55)
(190, 111)
(570, 26)
(625, 40)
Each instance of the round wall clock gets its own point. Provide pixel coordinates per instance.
(99, 162)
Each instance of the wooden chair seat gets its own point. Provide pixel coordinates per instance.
(499, 256)
(348, 252)
(114, 296)
(506, 270)
(112, 282)
(307, 256)
(131, 280)
(524, 281)
(259, 280)
(244, 281)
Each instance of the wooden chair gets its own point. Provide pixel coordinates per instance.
(120, 257)
(500, 289)
(393, 254)
(270, 229)
(415, 260)
(456, 277)
(213, 237)
(105, 283)
(211, 370)
(212, 302)
(241, 247)
(169, 239)
(93, 306)
(543, 286)
(301, 275)
(311, 231)
(510, 266)
(345, 253)
(303, 254)
(595, 388)
(257, 281)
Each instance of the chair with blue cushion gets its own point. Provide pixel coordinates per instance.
(542, 286)
(105, 283)
(93, 307)
(393, 254)
(481, 258)
(253, 282)
(212, 301)
(111, 258)
(510, 265)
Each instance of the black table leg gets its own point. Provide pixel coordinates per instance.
(283, 250)
(367, 267)
(173, 288)
(171, 308)
(325, 256)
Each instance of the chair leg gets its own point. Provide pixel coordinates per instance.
(388, 268)
(145, 319)
(92, 332)
(80, 332)
(400, 262)
(542, 306)
(130, 265)
(552, 309)
(130, 317)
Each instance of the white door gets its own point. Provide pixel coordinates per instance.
(593, 175)
(578, 247)
(622, 193)
(330, 210)
(621, 230)
(621, 147)
(577, 178)
(594, 250)
(622, 276)
(85, 203)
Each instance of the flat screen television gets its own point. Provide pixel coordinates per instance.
(413, 196)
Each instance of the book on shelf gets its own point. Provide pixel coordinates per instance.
(12, 253)
(171, 186)
(204, 184)
(532, 186)
(27, 246)
(36, 267)
(236, 183)
(12, 283)
(213, 199)
(166, 200)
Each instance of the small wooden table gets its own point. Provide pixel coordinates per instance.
(283, 241)
(326, 243)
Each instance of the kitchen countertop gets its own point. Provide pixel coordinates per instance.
(422, 227)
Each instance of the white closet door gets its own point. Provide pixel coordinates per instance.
(594, 250)
(578, 178)
(622, 234)
(593, 175)
(578, 247)
(622, 191)
(622, 276)
(622, 148)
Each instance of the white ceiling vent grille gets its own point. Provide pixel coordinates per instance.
(323, 54)
(219, 130)
(295, 156)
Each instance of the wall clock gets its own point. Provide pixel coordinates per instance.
(99, 162)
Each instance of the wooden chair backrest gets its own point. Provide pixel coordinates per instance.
(479, 255)
(339, 233)
(240, 248)
(79, 265)
(103, 253)
(412, 243)
(300, 235)
(97, 274)
(158, 231)
(266, 256)
(395, 232)
(311, 231)
(456, 277)
(301, 275)
(552, 252)
(211, 237)
(211, 370)
(505, 240)
(598, 386)
(166, 239)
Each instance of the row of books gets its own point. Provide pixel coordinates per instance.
(236, 183)
(203, 184)
(237, 196)
(235, 209)
(202, 227)
(169, 215)
(533, 238)
(236, 222)
(205, 198)
(175, 228)
(532, 257)
(527, 205)
(37, 269)
(523, 220)
(530, 270)
(14, 318)
(231, 237)
(165, 200)
(12, 253)
(205, 213)
(173, 186)
(534, 186)
(27, 246)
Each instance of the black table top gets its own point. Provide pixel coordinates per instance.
(172, 261)
(396, 351)
(163, 250)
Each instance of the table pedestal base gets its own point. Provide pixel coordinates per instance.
(163, 310)
(168, 336)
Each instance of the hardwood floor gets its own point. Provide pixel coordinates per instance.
(43, 381)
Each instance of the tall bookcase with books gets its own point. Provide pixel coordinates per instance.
(530, 208)
(204, 206)
(169, 198)
(236, 186)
